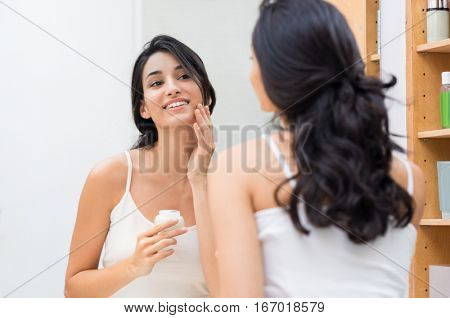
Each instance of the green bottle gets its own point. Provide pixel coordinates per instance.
(445, 100)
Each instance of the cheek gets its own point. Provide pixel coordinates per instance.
(154, 97)
(256, 80)
(252, 76)
(153, 102)
(194, 92)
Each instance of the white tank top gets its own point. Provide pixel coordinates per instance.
(179, 275)
(326, 263)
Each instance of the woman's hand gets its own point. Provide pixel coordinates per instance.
(150, 245)
(201, 156)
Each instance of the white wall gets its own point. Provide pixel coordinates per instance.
(393, 61)
(60, 115)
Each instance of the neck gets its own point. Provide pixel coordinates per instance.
(173, 150)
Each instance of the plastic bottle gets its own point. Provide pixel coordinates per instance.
(445, 100)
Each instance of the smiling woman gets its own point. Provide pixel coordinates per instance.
(121, 196)
(167, 63)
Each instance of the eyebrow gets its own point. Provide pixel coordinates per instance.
(178, 67)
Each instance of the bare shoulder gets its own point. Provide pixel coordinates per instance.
(108, 178)
(244, 154)
(400, 175)
(235, 163)
(240, 166)
(111, 168)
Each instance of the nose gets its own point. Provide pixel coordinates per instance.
(172, 88)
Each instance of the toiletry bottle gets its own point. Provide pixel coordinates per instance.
(165, 215)
(445, 100)
(438, 16)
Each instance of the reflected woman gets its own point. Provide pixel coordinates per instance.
(338, 216)
(120, 198)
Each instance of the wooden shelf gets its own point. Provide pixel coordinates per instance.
(435, 222)
(423, 79)
(375, 58)
(436, 47)
(437, 134)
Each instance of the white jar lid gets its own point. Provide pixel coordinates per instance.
(446, 78)
(169, 212)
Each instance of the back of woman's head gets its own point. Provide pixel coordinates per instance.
(312, 71)
(191, 63)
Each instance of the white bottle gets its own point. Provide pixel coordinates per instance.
(166, 215)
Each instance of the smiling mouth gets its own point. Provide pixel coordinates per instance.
(177, 104)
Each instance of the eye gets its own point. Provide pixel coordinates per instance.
(184, 76)
(157, 83)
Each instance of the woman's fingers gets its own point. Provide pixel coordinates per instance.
(199, 116)
(159, 227)
(161, 255)
(203, 120)
(200, 137)
(155, 248)
(204, 115)
(173, 233)
(204, 124)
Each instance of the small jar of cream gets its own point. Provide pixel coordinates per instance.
(166, 215)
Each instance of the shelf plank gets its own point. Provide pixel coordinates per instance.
(440, 133)
(436, 47)
(375, 58)
(435, 222)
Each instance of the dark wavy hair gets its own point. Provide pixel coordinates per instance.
(312, 70)
(189, 60)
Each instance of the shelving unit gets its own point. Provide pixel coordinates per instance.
(438, 47)
(434, 222)
(427, 142)
(372, 56)
(439, 133)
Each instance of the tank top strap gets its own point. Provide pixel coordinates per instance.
(409, 173)
(130, 169)
(280, 158)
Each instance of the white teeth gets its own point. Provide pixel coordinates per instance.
(176, 105)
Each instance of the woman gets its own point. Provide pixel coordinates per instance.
(337, 217)
(166, 169)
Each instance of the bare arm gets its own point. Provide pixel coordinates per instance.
(239, 258)
(197, 174)
(205, 236)
(83, 279)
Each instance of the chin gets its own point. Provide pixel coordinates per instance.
(181, 119)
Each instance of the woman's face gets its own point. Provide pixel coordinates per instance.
(170, 94)
(255, 77)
